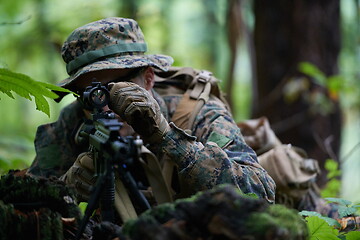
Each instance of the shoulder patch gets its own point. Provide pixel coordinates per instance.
(219, 139)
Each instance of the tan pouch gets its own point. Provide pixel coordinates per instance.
(289, 167)
(258, 134)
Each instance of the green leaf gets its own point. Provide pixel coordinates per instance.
(7, 92)
(26, 87)
(346, 211)
(336, 83)
(333, 168)
(331, 165)
(330, 221)
(310, 213)
(340, 201)
(332, 188)
(312, 71)
(56, 88)
(353, 235)
(319, 229)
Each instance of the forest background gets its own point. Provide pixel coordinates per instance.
(227, 37)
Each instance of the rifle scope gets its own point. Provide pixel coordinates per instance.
(96, 96)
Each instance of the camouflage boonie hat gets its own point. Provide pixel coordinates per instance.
(111, 43)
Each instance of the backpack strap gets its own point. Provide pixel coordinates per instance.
(188, 108)
(193, 100)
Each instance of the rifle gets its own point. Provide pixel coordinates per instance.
(111, 152)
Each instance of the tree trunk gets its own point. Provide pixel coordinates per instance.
(287, 33)
(234, 24)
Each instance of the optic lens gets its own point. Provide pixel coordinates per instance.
(98, 97)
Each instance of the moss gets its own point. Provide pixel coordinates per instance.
(220, 213)
(32, 207)
(154, 216)
(277, 221)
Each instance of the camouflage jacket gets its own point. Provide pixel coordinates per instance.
(214, 153)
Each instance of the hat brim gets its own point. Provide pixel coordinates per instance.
(161, 62)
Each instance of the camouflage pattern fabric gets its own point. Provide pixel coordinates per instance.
(55, 145)
(202, 164)
(111, 43)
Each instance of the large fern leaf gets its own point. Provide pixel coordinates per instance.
(26, 87)
(319, 229)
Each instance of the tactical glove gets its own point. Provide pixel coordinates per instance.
(81, 176)
(139, 109)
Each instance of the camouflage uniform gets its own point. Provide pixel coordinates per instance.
(202, 164)
(213, 153)
(55, 145)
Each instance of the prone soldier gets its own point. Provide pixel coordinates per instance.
(112, 51)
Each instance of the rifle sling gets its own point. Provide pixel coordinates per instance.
(159, 186)
(123, 204)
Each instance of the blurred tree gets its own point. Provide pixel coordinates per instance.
(212, 26)
(287, 33)
(235, 27)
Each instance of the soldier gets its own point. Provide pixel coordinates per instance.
(112, 51)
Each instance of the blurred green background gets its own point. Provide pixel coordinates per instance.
(193, 32)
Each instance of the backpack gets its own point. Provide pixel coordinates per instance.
(292, 170)
(195, 86)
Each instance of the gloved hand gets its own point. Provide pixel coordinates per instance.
(81, 176)
(139, 109)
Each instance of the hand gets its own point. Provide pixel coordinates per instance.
(135, 105)
(81, 176)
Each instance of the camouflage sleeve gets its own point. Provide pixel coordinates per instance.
(219, 155)
(54, 144)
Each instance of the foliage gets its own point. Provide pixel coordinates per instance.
(7, 164)
(335, 86)
(320, 101)
(25, 86)
(329, 221)
(322, 227)
(346, 208)
(333, 185)
(353, 236)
